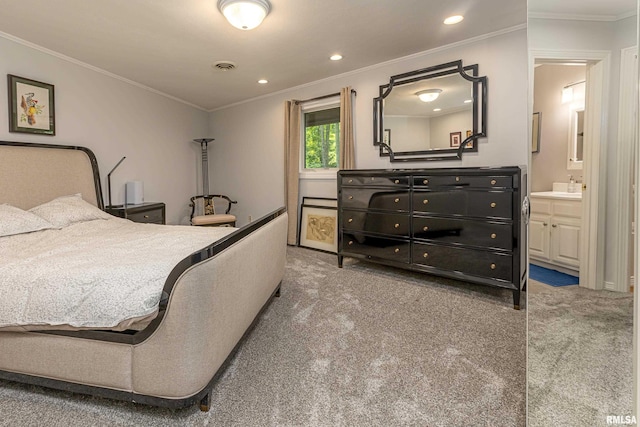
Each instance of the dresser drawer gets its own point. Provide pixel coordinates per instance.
(470, 181)
(153, 216)
(375, 180)
(483, 204)
(375, 198)
(464, 231)
(382, 223)
(474, 262)
(384, 248)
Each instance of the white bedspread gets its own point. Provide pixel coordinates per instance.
(94, 274)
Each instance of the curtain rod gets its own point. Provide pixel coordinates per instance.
(331, 95)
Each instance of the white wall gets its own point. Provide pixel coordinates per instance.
(248, 159)
(115, 118)
(442, 126)
(409, 133)
(550, 34)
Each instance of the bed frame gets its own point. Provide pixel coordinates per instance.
(211, 300)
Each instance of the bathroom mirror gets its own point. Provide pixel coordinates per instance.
(576, 138)
(436, 113)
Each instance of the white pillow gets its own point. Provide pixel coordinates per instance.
(66, 210)
(16, 221)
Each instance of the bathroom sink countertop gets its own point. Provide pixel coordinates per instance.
(557, 195)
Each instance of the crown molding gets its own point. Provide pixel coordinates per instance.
(95, 69)
(578, 17)
(381, 64)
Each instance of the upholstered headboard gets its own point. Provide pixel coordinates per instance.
(32, 174)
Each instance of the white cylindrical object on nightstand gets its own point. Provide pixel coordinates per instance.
(134, 192)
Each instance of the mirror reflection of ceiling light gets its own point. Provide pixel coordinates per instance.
(244, 14)
(263, 81)
(336, 57)
(437, 109)
(429, 95)
(453, 19)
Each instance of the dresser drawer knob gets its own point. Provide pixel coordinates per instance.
(350, 220)
(425, 255)
(493, 235)
(457, 179)
(425, 182)
(373, 178)
(350, 181)
(425, 201)
(493, 182)
(493, 204)
(396, 226)
(350, 242)
(396, 250)
(397, 181)
(397, 200)
(425, 228)
(493, 266)
(146, 216)
(350, 197)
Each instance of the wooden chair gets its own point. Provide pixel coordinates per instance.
(205, 212)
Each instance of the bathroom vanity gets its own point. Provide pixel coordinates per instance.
(554, 230)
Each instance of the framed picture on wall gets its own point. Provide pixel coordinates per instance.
(319, 228)
(535, 133)
(31, 106)
(454, 139)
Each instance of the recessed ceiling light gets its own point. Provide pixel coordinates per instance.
(335, 57)
(263, 81)
(437, 109)
(468, 101)
(453, 19)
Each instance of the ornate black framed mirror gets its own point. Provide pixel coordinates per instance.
(435, 113)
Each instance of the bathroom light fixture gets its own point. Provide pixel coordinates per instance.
(567, 91)
(453, 19)
(244, 14)
(429, 95)
(336, 57)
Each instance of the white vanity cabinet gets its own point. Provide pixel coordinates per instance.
(554, 230)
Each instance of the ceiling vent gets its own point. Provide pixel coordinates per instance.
(224, 66)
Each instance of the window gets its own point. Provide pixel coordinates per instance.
(321, 138)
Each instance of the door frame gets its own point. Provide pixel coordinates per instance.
(594, 166)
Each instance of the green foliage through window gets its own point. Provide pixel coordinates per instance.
(322, 135)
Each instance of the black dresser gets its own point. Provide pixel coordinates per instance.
(460, 223)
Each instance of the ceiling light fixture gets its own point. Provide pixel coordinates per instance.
(453, 19)
(244, 14)
(263, 81)
(437, 109)
(336, 57)
(429, 95)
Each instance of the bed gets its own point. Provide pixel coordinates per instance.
(203, 301)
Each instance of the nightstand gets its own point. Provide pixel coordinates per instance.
(148, 212)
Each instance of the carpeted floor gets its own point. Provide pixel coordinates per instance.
(364, 345)
(579, 356)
